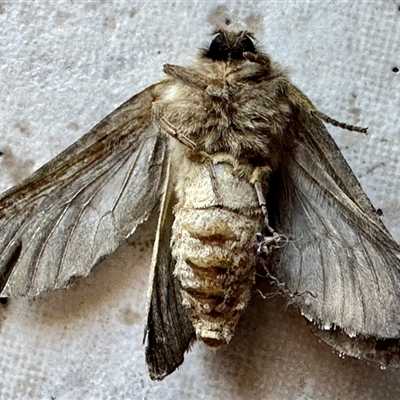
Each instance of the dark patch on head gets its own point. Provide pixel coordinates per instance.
(226, 47)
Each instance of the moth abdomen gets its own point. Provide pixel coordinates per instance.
(213, 245)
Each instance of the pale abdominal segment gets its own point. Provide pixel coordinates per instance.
(213, 245)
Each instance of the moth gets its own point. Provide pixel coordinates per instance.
(241, 165)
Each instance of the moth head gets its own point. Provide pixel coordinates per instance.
(230, 46)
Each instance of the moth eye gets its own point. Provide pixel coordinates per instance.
(222, 50)
(219, 48)
(246, 44)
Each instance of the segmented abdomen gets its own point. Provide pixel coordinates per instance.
(213, 242)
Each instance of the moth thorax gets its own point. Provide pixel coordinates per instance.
(215, 262)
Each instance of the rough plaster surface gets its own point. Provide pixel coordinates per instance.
(64, 66)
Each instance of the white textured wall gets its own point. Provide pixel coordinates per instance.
(63, 67)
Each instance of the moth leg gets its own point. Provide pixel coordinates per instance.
(265, 243)
(187, 76)
(263, 206)
(197, 81)
(168, 128)
(301, 100)
(256, 58)
(204, 158)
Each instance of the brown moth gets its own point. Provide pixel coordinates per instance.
(231, 151)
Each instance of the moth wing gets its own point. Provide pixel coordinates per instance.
(341, 265)
(386, 352)
(75, 210)
(168, 331)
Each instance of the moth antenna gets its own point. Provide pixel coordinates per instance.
(334, 122)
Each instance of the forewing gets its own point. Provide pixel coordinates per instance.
(340, 265)
(168, 330)
(75, 210)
